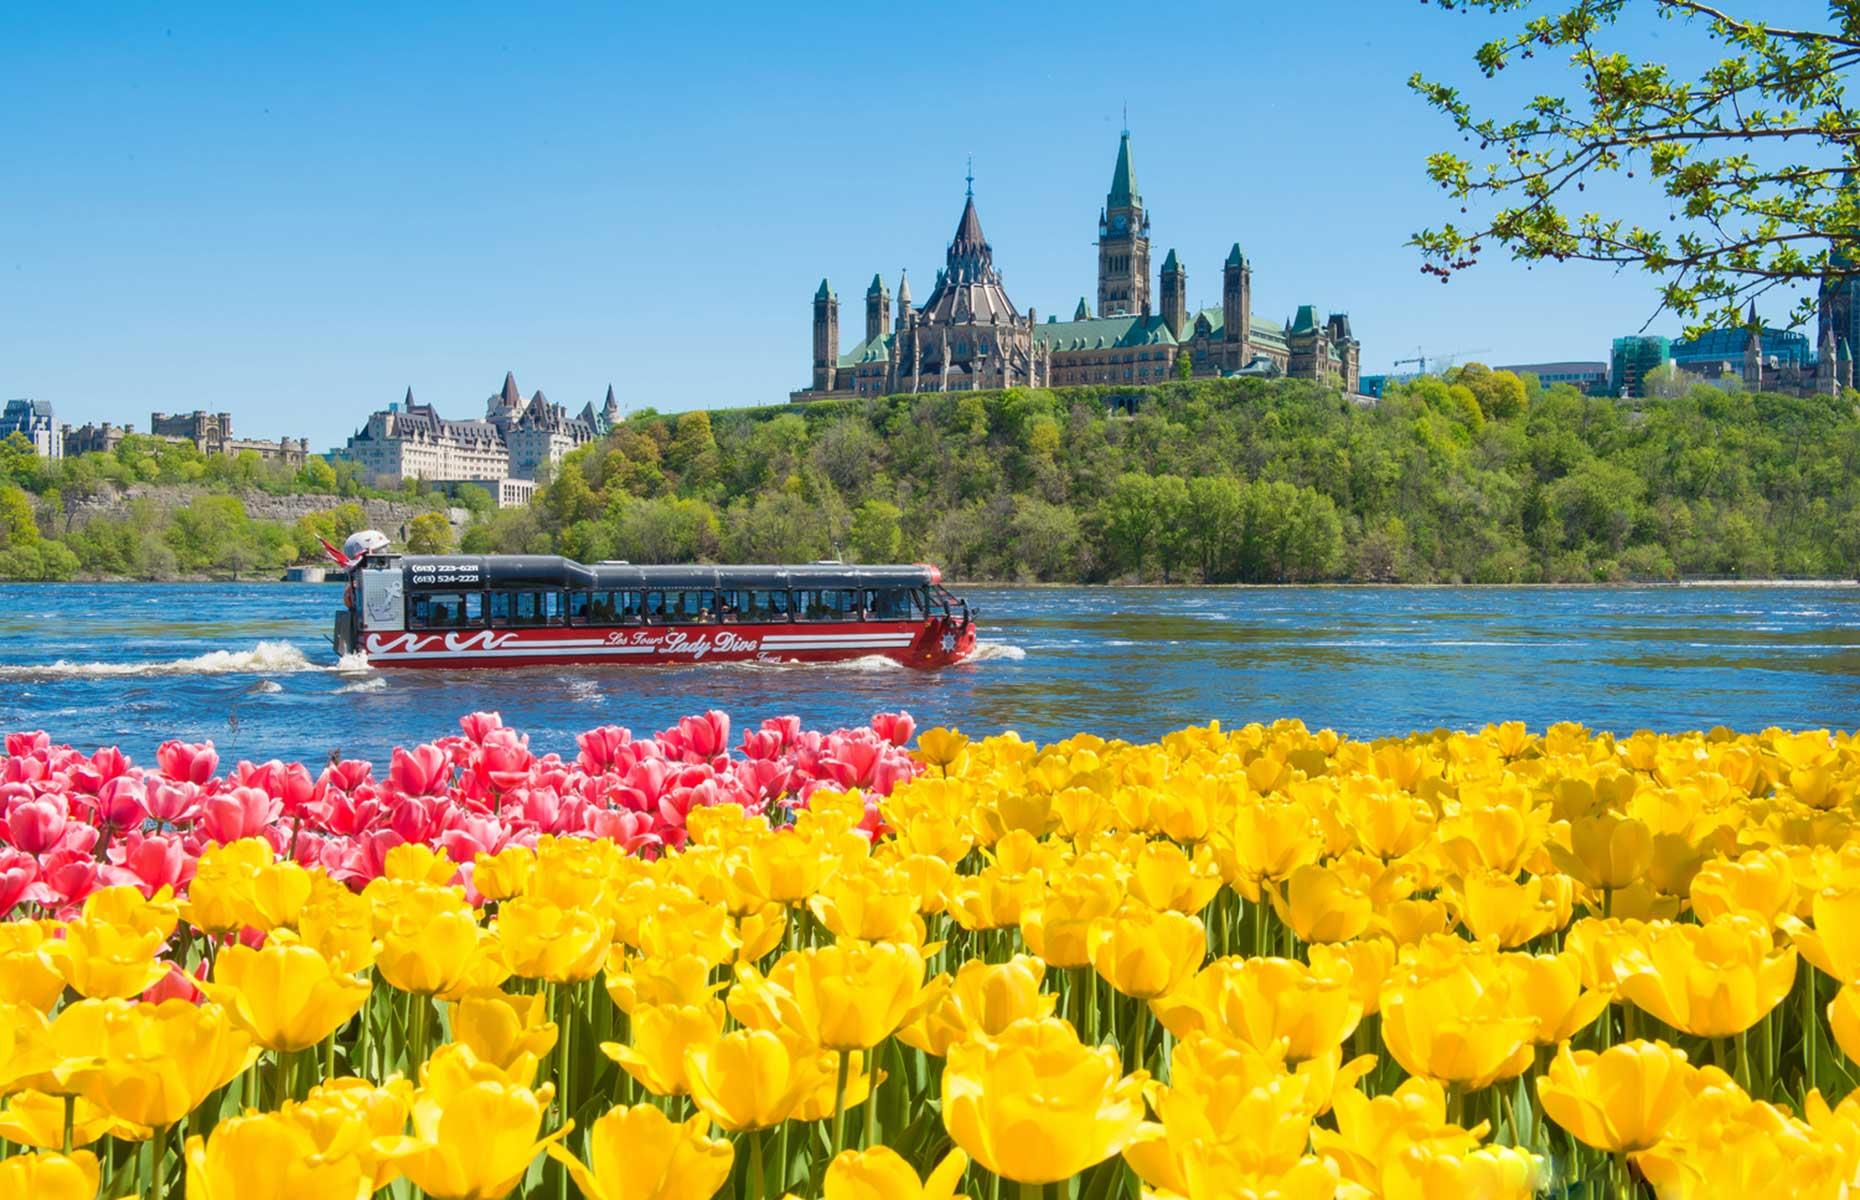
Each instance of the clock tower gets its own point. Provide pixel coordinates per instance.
(1123, 243)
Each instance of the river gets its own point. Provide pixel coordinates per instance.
(249, 666)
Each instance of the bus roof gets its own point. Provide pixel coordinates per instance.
(447, 572)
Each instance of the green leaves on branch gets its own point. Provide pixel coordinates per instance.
(1749, 155)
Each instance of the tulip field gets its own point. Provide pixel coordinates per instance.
(1265, 962)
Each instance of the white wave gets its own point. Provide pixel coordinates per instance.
(374, 683)
(266, 658)
(991, 651)
(353, 663)
(265, 687)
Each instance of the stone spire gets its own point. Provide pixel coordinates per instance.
(1082, 312)
(512, 396)
(610, 409)
(904, 299)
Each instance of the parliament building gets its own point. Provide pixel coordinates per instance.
(969, 336)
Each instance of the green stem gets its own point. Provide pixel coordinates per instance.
(757, 1186)
(839, 1109)
(158, 1148)
(871, 1098)
(70, 1119)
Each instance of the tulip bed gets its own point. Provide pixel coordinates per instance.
(1265, 962)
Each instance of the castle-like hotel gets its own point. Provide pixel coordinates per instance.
(514, 442)
(968, 335)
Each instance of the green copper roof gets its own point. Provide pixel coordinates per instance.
(1123, 179)
(1104, 333)
(877, 288)
(876, 349)
(1082, 312)
(825, 292)
(1270, 333)
(1306, 321)
(1234, 257)
(1169, 263)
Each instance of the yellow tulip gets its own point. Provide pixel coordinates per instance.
(992, 899)
(1267, 1002)
(340, 925)
(128, 908)
(543, 941)
(27, 974)
(881, 1173)
(1499, 907)
(849, 996)
(1606, 850)
(782, 868)
(1323, 904)
(1450, 1015)
(941, 748)
(1268, 840)
(50, 1176)
(430, 941)
(661, 1034)
(160, 1060)
(222, 896)
(1385, 822)
(1833, 945)
(874, 903)
(1055, 928)
(512, 1032)
(639, 1153)
(269, 1157)
(819, 1101)
(1711, 980)
(981, 1000)
(504, 875)
(1036, 1106)
(1145, 953)
(288, 997)
(1367, 963)
(1622, 1099)
(108, 962)
(1490, 1173)
(349, 1116)
(1373, 1133)
(279, 892)
(474, 1131)
(1844, 1020)
(751, 1078)
(1549, 988)
(1165, 876)
(634, 980)
(758, 933)
(1759, 884)
(37, 1119)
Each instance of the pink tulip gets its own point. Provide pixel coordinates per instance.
(35, 826)
(157, 860)
(18, 872)
(22, 745)
(480, 724)
(177, 985)
(172, 803)
(421, 771)
(186, 762)
(895, 728)
(239, 813)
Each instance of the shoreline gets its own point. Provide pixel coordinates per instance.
(1020, 585)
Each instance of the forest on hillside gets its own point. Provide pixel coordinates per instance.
(1478, 476)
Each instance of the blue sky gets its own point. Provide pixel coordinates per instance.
(295, 214)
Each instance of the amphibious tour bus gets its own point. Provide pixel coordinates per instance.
(462, 610)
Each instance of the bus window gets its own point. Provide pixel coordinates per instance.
(500, 608)
(626, 608)
(730, 605)
(884, 604)
(445, 610)
(551, 608)
(526, 608)
(655, 608)
(580, 607)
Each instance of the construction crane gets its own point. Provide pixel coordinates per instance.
(1441, 361)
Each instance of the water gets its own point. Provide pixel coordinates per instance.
(248, 666)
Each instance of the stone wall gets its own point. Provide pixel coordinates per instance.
(389, 516)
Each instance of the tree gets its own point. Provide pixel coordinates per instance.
(875, 536)
(317, 475)
(1749, 155)
(18, 526)
(1184, 365)
(1130, 521)
(429, 533)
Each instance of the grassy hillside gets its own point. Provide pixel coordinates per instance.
(1477, 477)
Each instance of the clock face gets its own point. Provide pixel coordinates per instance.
(1120, 222)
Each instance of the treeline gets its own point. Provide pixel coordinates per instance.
(42, 537)
(1479, 476)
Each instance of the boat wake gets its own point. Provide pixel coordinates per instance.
(266, 658)
(996, 652)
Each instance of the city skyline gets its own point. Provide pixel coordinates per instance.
(294, 217)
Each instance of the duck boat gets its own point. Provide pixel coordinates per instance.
(525, 610)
